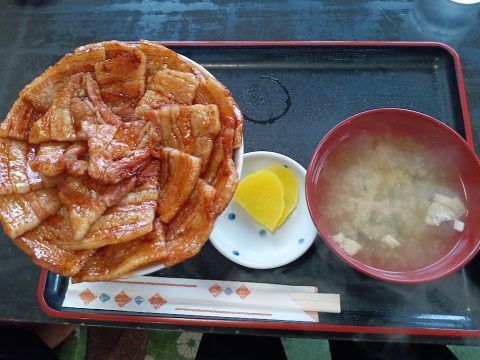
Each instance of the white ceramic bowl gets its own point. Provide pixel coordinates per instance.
(244, 241)
(237, 158)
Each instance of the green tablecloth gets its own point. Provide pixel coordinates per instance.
(178, 345)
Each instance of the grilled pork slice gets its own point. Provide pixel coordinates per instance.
(121, 78)
(191, 129)
(41, 245)
(42, 91)
(77, 103)
(72, 159)
(210, 91)
(222, 151)
(20, 213)
(19, 120)
(112, 48)
(179, 174)
(115, 261)
(190, 229)
(225, 184)
(57, 123)
(53, 158)
(16, 176)
(87, 104)
(160, 58)
(117, 152)
(220, 171)
(48, 158)
(86, 200)
(131, 218)
(168, 87)
(116, 48)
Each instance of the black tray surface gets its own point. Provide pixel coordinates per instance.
(291, 97)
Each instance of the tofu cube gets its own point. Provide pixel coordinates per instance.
(351, 247)
(438, 213)
(453, 203)
(458, 225)
(390, 241)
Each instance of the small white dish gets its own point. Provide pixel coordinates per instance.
(244, 241)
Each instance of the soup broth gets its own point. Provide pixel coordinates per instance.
(376, 190)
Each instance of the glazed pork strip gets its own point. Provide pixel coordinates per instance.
(161, 58)
(190, 229)
(121, 78)
(41, 245)
(121, 151)
(86, 200)
(114, 261)
(210, 91)
(169, 87)
(16, 175)
(20, 213)
(19, 121)
(78, 103)
(42, 91)
(225, 184)
(179, 174)
(131, 218)
(220, 171)
(189, 128)
(54, 158)
(48, 158)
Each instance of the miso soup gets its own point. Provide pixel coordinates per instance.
(391, 202)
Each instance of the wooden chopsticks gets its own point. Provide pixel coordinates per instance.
(329, 303)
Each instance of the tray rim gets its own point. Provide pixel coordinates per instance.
(269, 325)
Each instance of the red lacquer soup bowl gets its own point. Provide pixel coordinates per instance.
(434, 135)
